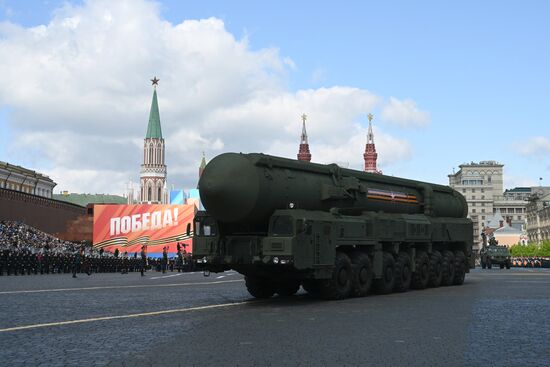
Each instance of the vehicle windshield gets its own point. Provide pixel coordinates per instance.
(497, 250)
(282, 226)
(205, 226)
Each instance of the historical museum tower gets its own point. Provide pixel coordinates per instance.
(153, 169)
(370, 154)
(303, 152)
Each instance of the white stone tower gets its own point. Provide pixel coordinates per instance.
(153, 170)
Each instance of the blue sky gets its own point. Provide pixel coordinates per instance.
(478, 69)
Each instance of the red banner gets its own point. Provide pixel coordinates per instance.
(128, 227)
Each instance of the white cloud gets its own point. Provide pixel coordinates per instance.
(78, 99)
(405, 113)
(534, 146)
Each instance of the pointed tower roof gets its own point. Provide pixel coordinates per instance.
(303, 152)
(203, 161)
(370, 134)
(303, 137)
(203, 165)
(495, 221)
(153, 129)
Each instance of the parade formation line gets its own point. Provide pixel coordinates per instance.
(104, 318)
(119, 287)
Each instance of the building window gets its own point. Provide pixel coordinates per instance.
(472, 182)
(149, 193)
(483, 218)
(473, 190)
(473, 210)
(488, 178)
(482, 190)
(158, 191)
(482, 204)
(473, 196)
(463, 191)
(519, 210)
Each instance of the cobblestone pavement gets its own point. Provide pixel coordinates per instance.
(498, 317)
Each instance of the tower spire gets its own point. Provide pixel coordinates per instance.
(370, 156)
(303, 152)
(153, 128)
(203, 165)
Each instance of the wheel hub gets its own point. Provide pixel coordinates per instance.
(342, 277)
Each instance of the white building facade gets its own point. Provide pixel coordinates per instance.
(482, 186)
(18, 178)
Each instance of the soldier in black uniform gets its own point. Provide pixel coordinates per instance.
(180, 259)
(15, 261)
(86, 263)
(164, 259)
(47, 258)
(77, 261)
(124, 269)
(143, 259)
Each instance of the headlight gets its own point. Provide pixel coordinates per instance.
(275, 260)
(204, 260)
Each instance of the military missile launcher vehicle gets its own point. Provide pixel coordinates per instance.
(337, 232)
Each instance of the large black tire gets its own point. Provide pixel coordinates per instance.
(483, 265)
(339, 286)
(436, 273)
(403, 272)
(311, 286)
(288, 288)
(508, 264)
(460, 268)
(501, 266)
(421, 275)
(259, 287)
(362, 274)
(385, 284)
(489, 264)
(448, 268)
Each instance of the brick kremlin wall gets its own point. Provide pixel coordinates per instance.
(64, 220)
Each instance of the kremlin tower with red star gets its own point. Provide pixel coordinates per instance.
(370, 154)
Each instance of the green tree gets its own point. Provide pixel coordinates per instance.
(544, 249)
(531, 250)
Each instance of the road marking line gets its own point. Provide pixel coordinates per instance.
(104, 318)
(167, 276)
(221, 276)
(119, 287)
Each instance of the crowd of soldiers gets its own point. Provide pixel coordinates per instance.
(531, 262)
(25, 250)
